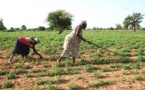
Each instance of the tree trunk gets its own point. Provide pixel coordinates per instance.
(134, 29)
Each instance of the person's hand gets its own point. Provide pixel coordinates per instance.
(40, 57)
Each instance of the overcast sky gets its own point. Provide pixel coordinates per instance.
(97, 13)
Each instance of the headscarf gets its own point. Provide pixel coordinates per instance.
(83, 22)
(37, 40)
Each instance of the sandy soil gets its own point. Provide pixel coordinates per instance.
(122, 82)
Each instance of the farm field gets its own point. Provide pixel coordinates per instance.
(95, 68)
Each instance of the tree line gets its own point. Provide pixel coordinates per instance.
(62, 20)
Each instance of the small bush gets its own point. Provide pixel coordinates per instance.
(73, 86)
(44, 73)
(35, 70)
(39, 81)
(56, 70)
(11, 75)
(7, 84)
(140, 58)
(35, 87)
(19, 71)
(2, 72)
(17, 66)
(106, 69)
(26, 66)
(59, 79)
(50, 86)
(137, 78)
(8, 55)
(83, 62)
(89, 68)
(97, 75)
(125, 60)
(79, 77)
(28, 75)
(100, 83)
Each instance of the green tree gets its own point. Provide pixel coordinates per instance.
(110, 28)
(133, 21)
(23, 27)
(59, 20)
(118, 27)
(12, 28)
(42, 28)
(126, 22)
(2, 27)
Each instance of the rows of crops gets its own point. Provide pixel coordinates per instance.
(95, 67)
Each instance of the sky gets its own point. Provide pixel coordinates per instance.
(97, 13)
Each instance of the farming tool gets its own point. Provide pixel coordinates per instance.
(101, 47)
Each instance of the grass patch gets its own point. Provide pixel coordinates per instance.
(73, 86)
(11, 75)
(100, 83)
(7, 84)
(2, 71)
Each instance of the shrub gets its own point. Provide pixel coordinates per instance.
(125, 60)
(56, 70)
(28, 75)
(73, 86)
(59, 79)
(11, 75)
(26, 66)
(2, 72)
(89, 68)
(17, 66)
(50, 86)
(97, 75)
(39, 81)
(101, 83)
(7, 84)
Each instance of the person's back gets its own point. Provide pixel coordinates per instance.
(74, 31)
(26, 40)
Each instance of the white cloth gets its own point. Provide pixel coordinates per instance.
(71, 44)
